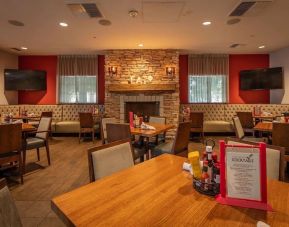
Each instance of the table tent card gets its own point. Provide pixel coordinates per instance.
(243, 180)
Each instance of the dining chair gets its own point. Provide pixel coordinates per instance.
(179, 144)
(86, 125)
(159, 120)
(275, 158)
(39, 140)
(109, 158)
(197, 123)
(103, 132)
(8, 212)
(241, 134)
(11, 146)
(247, 122)
(280, 138)
(118, 131)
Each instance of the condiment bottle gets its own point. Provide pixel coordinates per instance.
(205, 178)
(194, 158)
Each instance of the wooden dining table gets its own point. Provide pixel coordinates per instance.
(159, 193)
(27, 128)
(159, 129)
(264, 126)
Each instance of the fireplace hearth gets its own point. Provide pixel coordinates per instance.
(142, 109)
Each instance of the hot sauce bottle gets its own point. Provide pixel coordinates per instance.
(205, 178)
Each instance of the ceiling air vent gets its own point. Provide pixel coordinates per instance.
(242, 8)
(85, 8)
(235, 45)
(15, 48)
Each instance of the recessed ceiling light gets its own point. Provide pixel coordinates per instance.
(206, 23)
(63, 24)
(261, 47)
(140, 45)
(24, 48)
(104, 22)
(133, 13)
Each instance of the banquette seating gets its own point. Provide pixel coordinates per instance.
(65, 117)
(218, 117)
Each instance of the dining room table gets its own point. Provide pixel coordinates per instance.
(26, 118)
(159, 192)
(146, 134)
(26, 128)
(263, 126)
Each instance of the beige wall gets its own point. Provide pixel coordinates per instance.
(7, 61)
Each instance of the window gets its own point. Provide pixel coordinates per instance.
(208, 89)
(78, 89)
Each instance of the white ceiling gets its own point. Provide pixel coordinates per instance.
(154, 27)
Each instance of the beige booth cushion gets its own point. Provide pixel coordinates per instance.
(272, 161)
(218, 126)
(112, 159)
(67, 127)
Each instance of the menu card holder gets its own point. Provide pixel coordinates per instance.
(258, 171)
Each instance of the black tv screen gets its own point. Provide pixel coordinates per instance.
(23, 80)
(261, 79)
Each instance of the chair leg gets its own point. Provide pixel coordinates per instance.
(93, 136)
(24, 162)
(79, 137)
(38, 155)
(20, 168)
(47, 152)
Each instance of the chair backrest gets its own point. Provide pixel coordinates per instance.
(117, 131)
(238, 128)
(43, 128)
(182, 137)
(157, 119)
(86, 120)
(246, 119)
(197, 119)
(10, 137)
(8, 212)
(47, 114)
(280, 135)
(109, 158)
(274, 158)
(104, 121)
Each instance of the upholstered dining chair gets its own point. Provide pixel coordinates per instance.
(280, 138)
(86, 125)
(159, 120)
(109, 158)
(179, 144)
(39, 140)
(118, 131)
(247, 122)
(275, 158)
(197, 123)
(241, 134)
(8, 212)
(103, 133)
(11, 146)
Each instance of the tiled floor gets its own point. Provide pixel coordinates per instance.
(68, 170)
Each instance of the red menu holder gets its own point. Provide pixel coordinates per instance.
(223, 197)
(131, 119)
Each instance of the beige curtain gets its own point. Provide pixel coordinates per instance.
(208, 64)
(77, 65)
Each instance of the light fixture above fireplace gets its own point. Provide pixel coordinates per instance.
(170, 71)
(112, 70)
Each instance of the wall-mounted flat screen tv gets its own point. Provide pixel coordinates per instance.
(24, 80)
(261, 79)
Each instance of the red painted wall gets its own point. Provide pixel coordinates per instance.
(183, 78)
(241, 62)
(47, 63)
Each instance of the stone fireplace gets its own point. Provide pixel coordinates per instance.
(139, 64)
